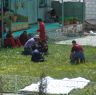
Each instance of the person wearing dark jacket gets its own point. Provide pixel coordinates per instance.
(37, 55)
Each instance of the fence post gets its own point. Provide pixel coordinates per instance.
(1, 85)
(0, 42)
(43, 85)
(16, 76)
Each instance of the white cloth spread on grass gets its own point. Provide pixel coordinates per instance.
(87, 40)
(58, 86)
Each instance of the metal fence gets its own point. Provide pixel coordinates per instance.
(13, 83)
(66, 32)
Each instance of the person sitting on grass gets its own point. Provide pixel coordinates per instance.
(37, 56)
(28, 46)
(23, 37)
(77, 53)
(10, 41)
(43, 47)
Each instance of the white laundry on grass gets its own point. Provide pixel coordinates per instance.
(58, 86)
(87, 40)
(92, 33)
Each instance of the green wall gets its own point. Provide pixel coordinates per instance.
(71, 9)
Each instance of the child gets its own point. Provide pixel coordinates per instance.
(77, 53)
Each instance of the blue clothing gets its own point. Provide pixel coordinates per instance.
(30, 43)
(27, 51)
(77, 57)
(37, 56)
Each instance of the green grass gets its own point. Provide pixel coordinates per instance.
(12, 62)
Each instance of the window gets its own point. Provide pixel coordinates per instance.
(42, 3)
(6, 4)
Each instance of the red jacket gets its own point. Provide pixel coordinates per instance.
(76, 48)
(10, 42)
(41, 31)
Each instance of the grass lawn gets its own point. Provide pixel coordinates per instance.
(12, 62)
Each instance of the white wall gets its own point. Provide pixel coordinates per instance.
(90, 10)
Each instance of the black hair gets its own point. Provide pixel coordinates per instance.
(24, 31)
(39, 19)
(73, 41)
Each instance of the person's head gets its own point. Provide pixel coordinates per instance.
(5, 23)
(36, 37)
(9, 34)
(25, 32)
(39, 20)
(30, 36)
(73, 42)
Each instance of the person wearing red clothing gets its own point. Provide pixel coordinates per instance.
(9, 41)
(23, 37)
(41, 30)
(77, 53)
(18, 43)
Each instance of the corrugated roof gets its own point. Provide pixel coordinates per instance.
(69, 0)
